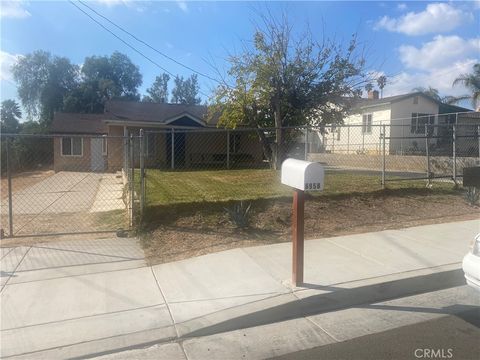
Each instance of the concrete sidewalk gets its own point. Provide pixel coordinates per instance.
(239, 303)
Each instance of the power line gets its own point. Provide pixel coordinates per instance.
(148, 45)
(126, 43)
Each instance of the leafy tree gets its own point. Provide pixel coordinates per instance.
(10, 115)
(381, 82)
(471, 82)
(283, 81)
(43, 82)
(104, 78)
(186, 91)
(158, 92)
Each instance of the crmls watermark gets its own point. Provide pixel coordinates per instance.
(433, 353)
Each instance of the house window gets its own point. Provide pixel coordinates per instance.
(104, 146)
(336, 131)
(415, 100)
(72, 146)
(150, 144)
(367, 124)
(419, 121)
(234, 145)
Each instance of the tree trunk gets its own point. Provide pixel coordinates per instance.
(278, 151)
(267, 150)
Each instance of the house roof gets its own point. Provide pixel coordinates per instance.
(153, 112)
(75, 123)
(444, 108)
(131, 112)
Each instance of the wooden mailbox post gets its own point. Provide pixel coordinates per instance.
(301, 176)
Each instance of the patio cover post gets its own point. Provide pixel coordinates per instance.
(173, 150)
(228, 149)
(142, 171)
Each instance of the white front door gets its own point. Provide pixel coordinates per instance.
(97, 162)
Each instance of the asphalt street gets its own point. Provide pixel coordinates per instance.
(450, 337)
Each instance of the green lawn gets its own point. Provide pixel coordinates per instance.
(168, 187)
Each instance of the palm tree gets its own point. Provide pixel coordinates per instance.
(433, 93)
(381, 82)
(472, 82)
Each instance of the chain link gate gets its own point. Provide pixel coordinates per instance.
(65, 184)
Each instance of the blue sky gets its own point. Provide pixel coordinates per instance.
(413, 43)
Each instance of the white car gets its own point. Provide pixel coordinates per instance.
(471, 265)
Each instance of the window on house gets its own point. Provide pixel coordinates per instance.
(367, 124)
(234, 145)
(336, 132)
(72, 146)
(104, 146)
(419, 121)
(150, 144)
(415, 100)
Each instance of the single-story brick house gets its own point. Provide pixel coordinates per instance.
(177, 136)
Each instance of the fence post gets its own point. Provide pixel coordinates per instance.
(306, 143)
(348, 139)
(9, 176)
(427, 153)
(363, 142)
(142, 171)
(172, 161)
(228, 149)
(132, 179)
(333, 141)
(454, 152)
(383, 156)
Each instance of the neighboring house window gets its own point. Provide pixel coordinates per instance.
(72, 146)
(234, 143)
(367, 124)
(419, 121)
(415, 100)
(104, 146)
(336, 131)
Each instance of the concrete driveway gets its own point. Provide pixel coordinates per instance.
(67, 192)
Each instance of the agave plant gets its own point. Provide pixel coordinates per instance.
(239, 214)
(472, 196)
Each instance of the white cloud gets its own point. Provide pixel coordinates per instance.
(440, 52)
(402, 6)
(182, 5)
(6, 62)
(436, 63)
(13, 9)
(441, 79)
(436, 18)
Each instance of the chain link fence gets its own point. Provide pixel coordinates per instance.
(64, 184)
(53, 184)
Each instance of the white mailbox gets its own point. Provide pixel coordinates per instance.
(303, 175)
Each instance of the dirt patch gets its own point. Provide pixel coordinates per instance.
(187, 230)
(23, 180)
